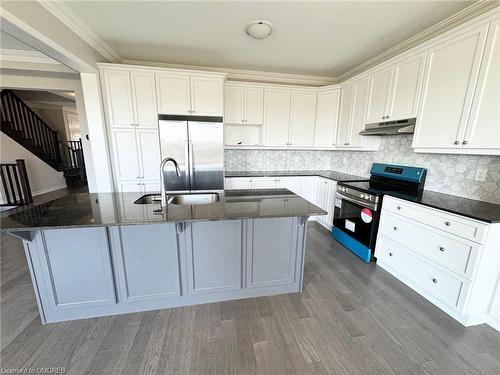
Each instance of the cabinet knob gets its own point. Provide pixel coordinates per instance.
(395, 228)
(447, 223)
(138, 176)
(457, 142)
(464, 142)
(390, 254)
(441, 248)
(399, 207)
(434, 280)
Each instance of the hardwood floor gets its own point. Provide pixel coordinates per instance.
(352, 318)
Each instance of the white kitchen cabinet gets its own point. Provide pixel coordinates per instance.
(302, 117)
(237, 183)
(243, 104)
(264, 183)
(325, 198)
(451, 73)
(483, 126)
(379, 95)
(184, 94)
(345, 114)
(124, 150)
(327, 114)
(494, 311)
(140, 280)
(406, 86)
(130, 98)
(148, 153)
(308, 188)
(277, 116)
(290, 183)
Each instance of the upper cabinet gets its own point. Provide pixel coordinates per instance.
(243, 104)
(327, 114)
(130, 98)
(450, 78)
(277, 116)
(302, 117)
(183, 94)
(379, 95)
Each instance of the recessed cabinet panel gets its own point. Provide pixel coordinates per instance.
(254, 105)
(450, 78)
(277, 116)
(206, 96)
(345, 119)
(126, 163)
(380, 85)
(303, 114)
(148, 262)
(407, 83)
(327, 113)
(118, 97)
(237, 183)
(149, 153)
(214, 257)
(89, 282)
(173, 94)
(271, 260)
(144, 97)
(358, 114)
(483, 128)
(233, 104)
(264, 183)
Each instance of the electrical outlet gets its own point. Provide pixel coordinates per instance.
(481, 173)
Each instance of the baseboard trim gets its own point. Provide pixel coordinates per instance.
(48, 190)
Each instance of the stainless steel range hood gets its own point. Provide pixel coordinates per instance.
(390, 127)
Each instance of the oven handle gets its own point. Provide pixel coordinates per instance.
(367, 204)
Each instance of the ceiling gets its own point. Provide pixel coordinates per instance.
(325, 38)
(55, 98)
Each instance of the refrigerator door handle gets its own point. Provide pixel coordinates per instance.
(190, 165)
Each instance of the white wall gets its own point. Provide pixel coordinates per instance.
(42, 177)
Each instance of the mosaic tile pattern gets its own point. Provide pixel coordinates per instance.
(450, 174)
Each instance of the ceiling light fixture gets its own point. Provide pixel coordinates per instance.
(259, 29)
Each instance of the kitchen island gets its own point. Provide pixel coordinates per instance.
(102, 254)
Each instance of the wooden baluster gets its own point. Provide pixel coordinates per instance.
(25, 183)
(4, 183)
(11, 184)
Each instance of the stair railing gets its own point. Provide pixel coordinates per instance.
(72, 157)
(16, 186)
(18, 118)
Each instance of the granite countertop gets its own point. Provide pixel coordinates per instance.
(109, 209)
(483, 211)
(332, 175)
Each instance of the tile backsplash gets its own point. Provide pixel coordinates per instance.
(451, 174)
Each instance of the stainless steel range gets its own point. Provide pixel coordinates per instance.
(357, 204)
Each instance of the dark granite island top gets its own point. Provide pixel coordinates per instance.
(115, 209)
(332, 175)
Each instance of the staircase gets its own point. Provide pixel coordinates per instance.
(23, 125)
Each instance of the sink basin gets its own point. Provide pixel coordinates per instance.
(149, 199)
(193, 198)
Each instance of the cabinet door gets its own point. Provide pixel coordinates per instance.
(407, 84)
(302, 118)
(148, 146)
(345, 115)
(173, 94)
(214, 256)
(264, 183)
(327, 113)
(125, 158)
(271, 258)
(322, 193)
(277, 116)
(206, 96)
(237, 183)
(233, 104)
(144, 98)
(450, 78)
(495, 303)
(358, 113)
(78, 268)
(378, 95)
(147, 269)
(330, 202)
(290, 183)
(254, 105)
(120, 109)
(483, 127)
(308, 188)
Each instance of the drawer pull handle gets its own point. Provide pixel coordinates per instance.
(395, 228)
(390, 254)
(447, 223)
(434, 280)
(441, 248)
(399, 207)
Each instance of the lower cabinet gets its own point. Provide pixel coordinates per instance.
(147, 261)
(75, 266)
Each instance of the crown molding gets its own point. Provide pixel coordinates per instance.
(247, 75)
(73, 22)
(16, 55)
(474, 10)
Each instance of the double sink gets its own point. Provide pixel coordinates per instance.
(180, 199)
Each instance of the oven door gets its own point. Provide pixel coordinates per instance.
(356, 218)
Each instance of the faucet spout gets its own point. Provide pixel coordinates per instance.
(162, 177)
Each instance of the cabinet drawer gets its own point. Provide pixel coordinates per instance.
(423, 275)
(457, 225)
(451, 252)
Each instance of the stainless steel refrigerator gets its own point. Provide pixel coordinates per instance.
(197, 144)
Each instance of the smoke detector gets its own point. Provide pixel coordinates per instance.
(259, 29)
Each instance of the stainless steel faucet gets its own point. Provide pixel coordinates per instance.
(162, 178)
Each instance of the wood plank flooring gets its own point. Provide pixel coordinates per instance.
(352, 318)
